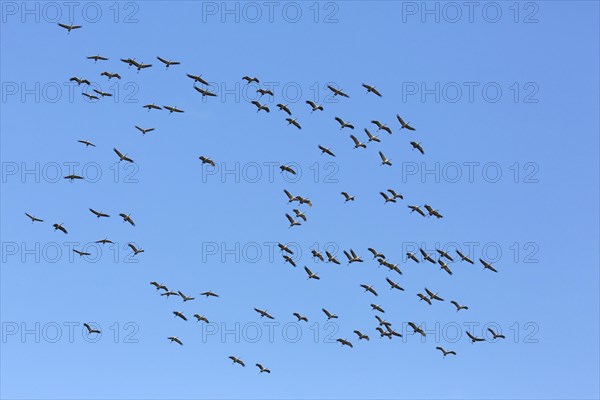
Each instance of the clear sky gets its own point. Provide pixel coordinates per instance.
(504, 98)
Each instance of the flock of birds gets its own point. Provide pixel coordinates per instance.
(384, 328)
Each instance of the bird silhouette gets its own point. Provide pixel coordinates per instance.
(371, 89)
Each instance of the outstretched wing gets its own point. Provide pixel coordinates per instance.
(118, 152)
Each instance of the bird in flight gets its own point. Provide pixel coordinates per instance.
(33, 219)
(458, 306)
(317, 255)
(294, 122)
(387, 198)
(375, 253)
(173, 109)
(487, 265)
(326, 151)
(445, 352)
(426, 256)
(110, 75)
(102, 94)
(72, 177)
(90, 96)
(433, 212)
(329, 315)
(424, 298)
(337, 92)
(395, 195)
(382, 322)
(444, 266)
(159, 286)
(300, 317)
(371, 89)
(262, 92)
(289, 260)
(331, 258)
(180, 315)
(302, 200)
(404, 125)
(81, 253)
(311, 275)
(249, 80)
(352, 257)
(417, 146)
(139, 65)
(394, 285)
(197, 78)
(168, 63)
(417, 329)
(412, 257)
(184, 297)
(417, 209)
(444, 254)
(97, 58)
(204, 92)
(496, 335)
(91, 330)
(369, 288)
(392, 332)
(390, 266)
(384, 160)
(127, 218)
(206, 160)
(69, 28)
(343, 124)
(209, 294)
(79, 80)
(60, 228)
(357, 143)
(314, 106)
(122, 157)
(344, 342)
(383, 333)
(372, 138)
(284, 107)
(433, 296)
(381, 127)
(135, 250)
(263, 313)
(237, 361)
(99, 214)
(463, 257)
(144, 130)
(286, 168)
(128, 61)
(377, 307)
(87, 144)
(104, 241)
(293, 222)
(201, 318)
(285, 248)
(260, 106)
(474, 338)
(152, 107)
(175, 339)
(361, 336)
(347, 197)
(262, 369)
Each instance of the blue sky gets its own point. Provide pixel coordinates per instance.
(505, 101)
